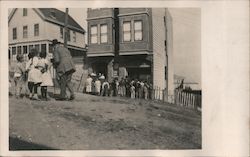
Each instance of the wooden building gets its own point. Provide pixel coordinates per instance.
(133, 42)
(37, 27)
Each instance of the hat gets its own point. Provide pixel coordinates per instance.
(55, 41)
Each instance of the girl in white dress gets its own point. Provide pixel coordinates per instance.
(34, 74)
(45, 65)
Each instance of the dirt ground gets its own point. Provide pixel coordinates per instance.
(94, 123)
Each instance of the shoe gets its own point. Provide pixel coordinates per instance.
(72, 97)
(35, 97)
(61, 99)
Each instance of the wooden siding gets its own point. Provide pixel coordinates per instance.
(159, 54)
(18, 21)
(47, 30)
(124, 11)
(100, 13)
(102, 47)
(143, 45)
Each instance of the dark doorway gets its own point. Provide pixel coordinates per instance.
(139, 73)
(100, 67)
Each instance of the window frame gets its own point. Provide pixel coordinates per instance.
(129, 32)
(61, 32)
(25, 12)
(25, 31)
(68, 35)
(74, 36)
(103, 34)
(94, 35)
(14, 33)
(36, 29)
(138, 30)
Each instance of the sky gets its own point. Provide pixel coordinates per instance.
(186, 40)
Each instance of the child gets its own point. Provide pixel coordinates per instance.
(97, 87)
(34, 74)
(132, 91)
(44, 64)
(19, 75)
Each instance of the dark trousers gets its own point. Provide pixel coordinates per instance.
(65, 82)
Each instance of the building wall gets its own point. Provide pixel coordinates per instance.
(170, 53)
(53, 32)
(18, 21)
(101, 48)
(126, 14)
(159, 53)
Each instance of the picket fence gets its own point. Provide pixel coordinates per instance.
(189, 99)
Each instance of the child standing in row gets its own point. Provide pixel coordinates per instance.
(19, 76)
(45, 65)
(34, 74)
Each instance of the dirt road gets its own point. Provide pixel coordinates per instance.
(92, 122)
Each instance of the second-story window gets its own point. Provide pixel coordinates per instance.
(127, 31)
(36, 30)
(14, 33)
(61, 32)
(74, 36)
(138, 30)
(68, 35)
(25, 12)
(25, 31)
(93, 34)
(104, 33)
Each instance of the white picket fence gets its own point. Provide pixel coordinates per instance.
(187, 99)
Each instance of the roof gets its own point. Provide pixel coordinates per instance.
(59, 16)
(54, 16)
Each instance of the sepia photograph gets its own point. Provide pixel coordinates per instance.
(104, 78)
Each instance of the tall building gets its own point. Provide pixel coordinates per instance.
(37, 27)
(133, 42)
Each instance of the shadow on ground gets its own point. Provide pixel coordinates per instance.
(18, 144)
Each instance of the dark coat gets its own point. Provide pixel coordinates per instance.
(63, 60)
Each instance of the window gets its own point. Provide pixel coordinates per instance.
(68, 35)
(30, 47)
(74, 36)
(36, 30)
(25, 49)
(61, 32)
(13, 50)
(19, 49)
(37, 47)
(50, 48)
(25, 31)
(25, 11)
(93, 35)
(14, 33)
(104, 33)
(43, 48)
(138, 30)
(127, 31)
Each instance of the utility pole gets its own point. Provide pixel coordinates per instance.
(66, 35)
(117, 42)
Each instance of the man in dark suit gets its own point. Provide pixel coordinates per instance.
(64, 65)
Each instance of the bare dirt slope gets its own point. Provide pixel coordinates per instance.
(92, 122)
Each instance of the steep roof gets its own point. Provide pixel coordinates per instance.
(55, 15)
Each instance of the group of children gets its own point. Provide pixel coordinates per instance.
(133, 88)
(32, 74)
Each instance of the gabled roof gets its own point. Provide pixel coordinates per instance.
(55, 16)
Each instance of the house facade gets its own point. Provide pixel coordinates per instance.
(37, 27)
(133, 42)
